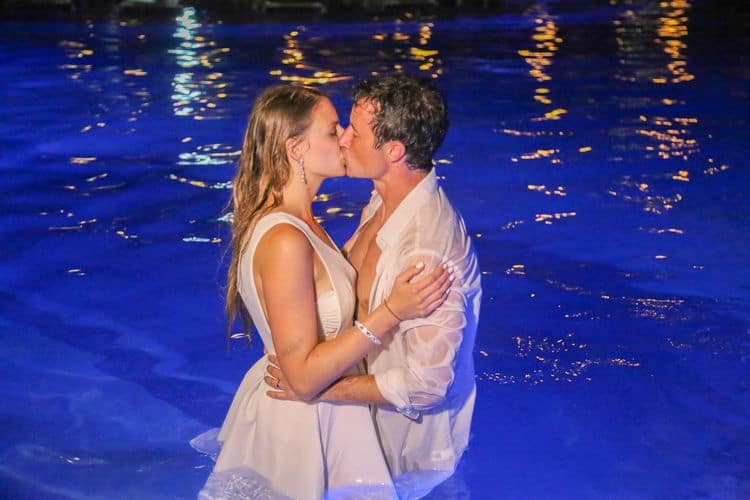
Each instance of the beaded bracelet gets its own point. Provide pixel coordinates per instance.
(370, 336)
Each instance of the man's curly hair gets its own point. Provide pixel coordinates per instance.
(407, 109)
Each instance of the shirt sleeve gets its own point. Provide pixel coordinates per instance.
(430, 345)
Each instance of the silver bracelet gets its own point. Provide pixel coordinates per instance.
(370, 336)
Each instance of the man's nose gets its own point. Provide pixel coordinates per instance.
(345, 138)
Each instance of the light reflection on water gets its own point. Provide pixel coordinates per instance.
(552, 360)
(211, 154)
(584, 175)
(651, 43)
(301, 68)
(199, 88)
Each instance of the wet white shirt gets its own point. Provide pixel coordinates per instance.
(426, 371)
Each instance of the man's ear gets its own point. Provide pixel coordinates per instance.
(395, 151)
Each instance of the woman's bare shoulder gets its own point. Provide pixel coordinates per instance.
(281, 242)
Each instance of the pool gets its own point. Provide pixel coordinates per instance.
(597, 153)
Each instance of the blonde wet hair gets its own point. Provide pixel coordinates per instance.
(280, 112)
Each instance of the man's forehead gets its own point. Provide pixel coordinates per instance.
(365, 107)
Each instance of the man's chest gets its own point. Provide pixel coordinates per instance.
(364, 256)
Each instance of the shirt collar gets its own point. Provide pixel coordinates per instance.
(391, 230)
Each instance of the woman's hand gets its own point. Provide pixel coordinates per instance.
(276, 379)
(420, 298)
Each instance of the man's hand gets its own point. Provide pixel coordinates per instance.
(275, 378)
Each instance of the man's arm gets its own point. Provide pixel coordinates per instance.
(420, 384)
(429, 346)
(352, 389)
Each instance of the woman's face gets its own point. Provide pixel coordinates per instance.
(323, 158)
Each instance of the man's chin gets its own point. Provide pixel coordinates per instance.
(352, 174)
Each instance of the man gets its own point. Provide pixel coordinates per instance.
(420, 383)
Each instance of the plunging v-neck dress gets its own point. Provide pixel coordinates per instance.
(289, 449)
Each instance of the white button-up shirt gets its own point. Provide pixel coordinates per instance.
(427, 370)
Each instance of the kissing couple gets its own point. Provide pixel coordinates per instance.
(366, 388)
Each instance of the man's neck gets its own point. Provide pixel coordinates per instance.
(395, 186)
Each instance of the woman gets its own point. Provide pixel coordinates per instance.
(299, 291)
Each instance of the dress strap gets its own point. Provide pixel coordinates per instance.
(245, 276)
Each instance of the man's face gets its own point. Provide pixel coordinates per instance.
(357, 143)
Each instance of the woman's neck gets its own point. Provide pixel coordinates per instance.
(298, 197)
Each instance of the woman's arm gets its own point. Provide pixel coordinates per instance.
(284, 260)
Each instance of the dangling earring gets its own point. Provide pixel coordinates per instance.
(302, 170)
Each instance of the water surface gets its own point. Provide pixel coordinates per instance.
(596, 153)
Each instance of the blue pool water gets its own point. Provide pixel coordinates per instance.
(597, 153)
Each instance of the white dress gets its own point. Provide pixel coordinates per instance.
(288, 449)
